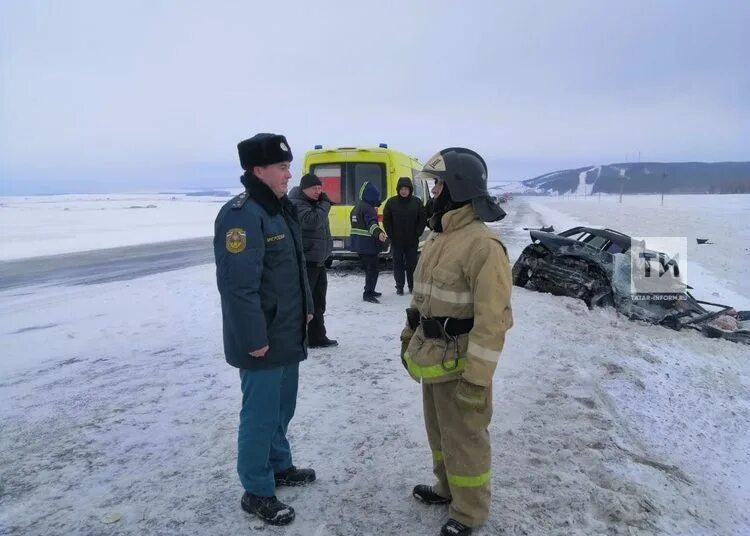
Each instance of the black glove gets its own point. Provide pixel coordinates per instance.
(324, 197)
(412, 317)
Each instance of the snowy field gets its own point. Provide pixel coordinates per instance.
(116, 403)
(48, 225)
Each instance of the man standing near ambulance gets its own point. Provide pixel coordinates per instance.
(313, 206)
(367, 237)
(455, 332)
(266, 305)
(404, 221)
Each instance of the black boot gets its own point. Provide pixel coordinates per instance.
(269, 509)
(370, 298)
(294, 477)
(377, 294)
(426, 495)
(324, 343)
(399, 291)
(454, 528)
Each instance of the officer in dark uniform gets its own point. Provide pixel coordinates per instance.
(266, 305)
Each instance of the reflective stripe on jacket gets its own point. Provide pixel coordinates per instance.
(364, 220)
(463, 272)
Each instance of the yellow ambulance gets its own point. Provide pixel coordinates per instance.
(343, 170)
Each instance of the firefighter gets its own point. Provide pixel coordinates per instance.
(454, 334)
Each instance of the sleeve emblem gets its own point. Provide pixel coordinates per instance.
(236, 240)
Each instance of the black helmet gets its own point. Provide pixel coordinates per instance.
(465, 174)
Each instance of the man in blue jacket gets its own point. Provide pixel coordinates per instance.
(367, 237)
(266, 305)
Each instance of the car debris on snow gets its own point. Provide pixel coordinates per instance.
(594, 265)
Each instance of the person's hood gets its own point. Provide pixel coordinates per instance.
(369, 194)
(405, 181)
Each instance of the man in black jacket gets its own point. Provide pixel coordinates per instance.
(404, 221)
(313, 206)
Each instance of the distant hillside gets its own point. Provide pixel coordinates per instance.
(647, 177)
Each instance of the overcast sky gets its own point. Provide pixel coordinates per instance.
(117, 96)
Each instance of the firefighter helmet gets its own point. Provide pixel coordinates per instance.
(465, 174)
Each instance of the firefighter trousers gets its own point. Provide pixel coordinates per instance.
(461, 454)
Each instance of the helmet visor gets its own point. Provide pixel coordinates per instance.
(428, 176)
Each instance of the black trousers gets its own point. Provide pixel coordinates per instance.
(317, 278)
(372, 270)
(404, 261)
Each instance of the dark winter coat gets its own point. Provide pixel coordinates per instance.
(313, 219)
(365, 232)
(404, 218)
(260, 272)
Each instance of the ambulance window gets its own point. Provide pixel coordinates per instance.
(419, 188)
(358, 174)
(330, 176)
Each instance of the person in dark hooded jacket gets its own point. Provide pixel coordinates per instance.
(367, 237)
(313, 206)
(404, 220)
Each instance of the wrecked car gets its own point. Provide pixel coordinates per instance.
(595, 265)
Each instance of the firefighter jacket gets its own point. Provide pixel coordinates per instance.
(463, 272)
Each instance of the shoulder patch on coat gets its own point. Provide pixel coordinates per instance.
(240, 201)
(236, 240)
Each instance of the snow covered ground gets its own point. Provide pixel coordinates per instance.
(47, 225)
(115, 402)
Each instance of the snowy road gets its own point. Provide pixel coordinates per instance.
(122, 263)
(116, 403)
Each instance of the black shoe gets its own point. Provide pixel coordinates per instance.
(377, 294)
(269, 509)
(411, 290)
(454, 528)
(426, 495)
(294, 477)
(324, 343)
(370, 298)
(399, 291)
